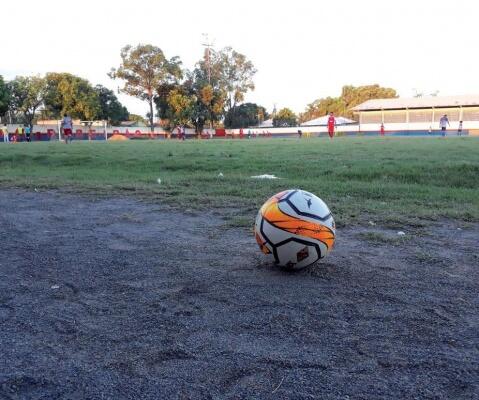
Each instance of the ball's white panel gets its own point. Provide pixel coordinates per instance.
(308, 203)
(257, 230)
(286, 193)
(275, 235)
(257, 221)
(318, 207)
(286, 208)
(296, 255)
(330, 223)
(324, 250)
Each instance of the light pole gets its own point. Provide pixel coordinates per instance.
(207, 44)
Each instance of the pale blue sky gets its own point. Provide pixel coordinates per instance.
(302, 49)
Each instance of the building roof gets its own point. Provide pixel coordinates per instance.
(418, 102)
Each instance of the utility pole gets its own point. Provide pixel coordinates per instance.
(207, 44)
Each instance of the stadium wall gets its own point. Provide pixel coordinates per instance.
(50, 132)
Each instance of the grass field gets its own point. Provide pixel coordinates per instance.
(391, 179)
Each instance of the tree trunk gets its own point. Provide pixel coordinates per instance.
(29, 120)
(30, 123)
(150, 101)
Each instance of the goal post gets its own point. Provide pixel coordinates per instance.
(99, 124)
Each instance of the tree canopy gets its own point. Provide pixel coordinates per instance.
(284, 117)
(137, 118)
(27, 95)
(350, 96)
(4, 97)
(111, 109)
(70, 94)
(57, 94)
(206, 84)
(143, 69)
(237, 75)
(183, 107)
(215, 86)
(244, 115)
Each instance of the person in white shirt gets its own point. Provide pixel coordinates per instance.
(443, 123)
(5, 134)
(67, 127)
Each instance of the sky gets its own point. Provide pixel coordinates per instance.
(303, 50)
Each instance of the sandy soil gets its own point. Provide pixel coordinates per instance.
(118, 299)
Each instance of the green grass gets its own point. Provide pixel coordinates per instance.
(399, 180)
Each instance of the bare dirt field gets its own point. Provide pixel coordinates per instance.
(120, 299)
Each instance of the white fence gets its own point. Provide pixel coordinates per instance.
(100, 132)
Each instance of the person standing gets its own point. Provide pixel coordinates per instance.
(459, 129)
(28, 132)
(443, 123)
(331, 124)
(381, 129)
(19, 134)
(5, 134)
(67, 126)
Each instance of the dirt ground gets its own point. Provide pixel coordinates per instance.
(120, 299)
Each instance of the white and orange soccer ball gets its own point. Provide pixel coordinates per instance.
(296, 227)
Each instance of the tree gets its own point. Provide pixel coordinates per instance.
(144, 68)
(350, 96)
(244, 115)
(70, 94)
(214, 87)
(237, 75)
(322, 107)
(137, 118)
(285, 117)
(220, 80)
(4, 97)
(206, 84)
(161, 102)
(182, 107)
(27, 95)
(111, 109)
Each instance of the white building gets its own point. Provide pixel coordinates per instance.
(419, 113)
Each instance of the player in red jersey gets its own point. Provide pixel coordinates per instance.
(331, 124)
(67, 127)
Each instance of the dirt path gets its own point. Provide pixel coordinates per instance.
(119, 299)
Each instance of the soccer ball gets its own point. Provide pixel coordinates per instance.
(296, 227)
